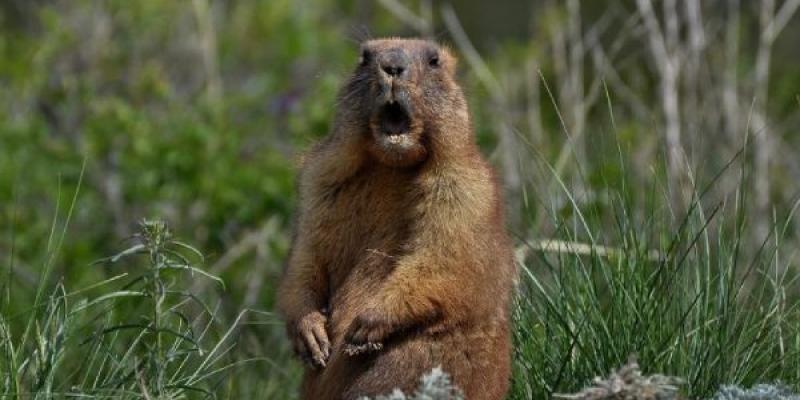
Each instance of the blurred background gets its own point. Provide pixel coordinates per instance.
(196, 111)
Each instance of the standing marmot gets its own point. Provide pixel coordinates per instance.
(400, 261)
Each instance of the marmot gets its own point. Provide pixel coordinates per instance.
(400, 262)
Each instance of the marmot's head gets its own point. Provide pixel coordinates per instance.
(404, 98)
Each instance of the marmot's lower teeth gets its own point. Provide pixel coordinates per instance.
(395, 139)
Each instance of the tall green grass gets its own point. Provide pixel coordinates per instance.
(687, 295)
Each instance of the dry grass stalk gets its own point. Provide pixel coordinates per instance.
(578, 249)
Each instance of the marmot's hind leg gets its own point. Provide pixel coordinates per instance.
(399, 367)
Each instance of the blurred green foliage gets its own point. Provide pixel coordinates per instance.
(130, 88)
(124, 86)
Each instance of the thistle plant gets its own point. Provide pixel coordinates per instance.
(149, 339)
(165, 339)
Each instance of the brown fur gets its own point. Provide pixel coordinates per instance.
(400, 253)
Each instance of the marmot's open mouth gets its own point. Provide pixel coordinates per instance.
(394, 119)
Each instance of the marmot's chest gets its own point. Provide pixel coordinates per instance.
(365, 218)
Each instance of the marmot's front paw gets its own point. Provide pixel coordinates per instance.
(310, 339)
(367, 331)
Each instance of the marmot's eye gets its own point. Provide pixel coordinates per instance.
(434, 61)
(364, 58)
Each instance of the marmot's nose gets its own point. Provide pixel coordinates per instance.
(394, 62)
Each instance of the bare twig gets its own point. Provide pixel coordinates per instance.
(208, 42)
(249, 242)
(779, 21)
(576, 248)
(694, 91)
(771, 24)
(20, 269)
(666, 53)
(472, 56)
(258, 274)
(508, 141)
(422, 25)
(730, 86)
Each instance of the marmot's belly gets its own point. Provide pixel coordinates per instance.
(473, 356)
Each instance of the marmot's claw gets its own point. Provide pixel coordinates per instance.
(313, 362)
(368, 327)
(320, 362)
(356, 349)
(365, 335)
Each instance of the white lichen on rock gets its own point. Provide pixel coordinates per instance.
(435, 385)
(628, 383)
(758, 392)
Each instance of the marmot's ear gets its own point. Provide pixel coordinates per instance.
(453, 65)
(299, 159)
(451, 61)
